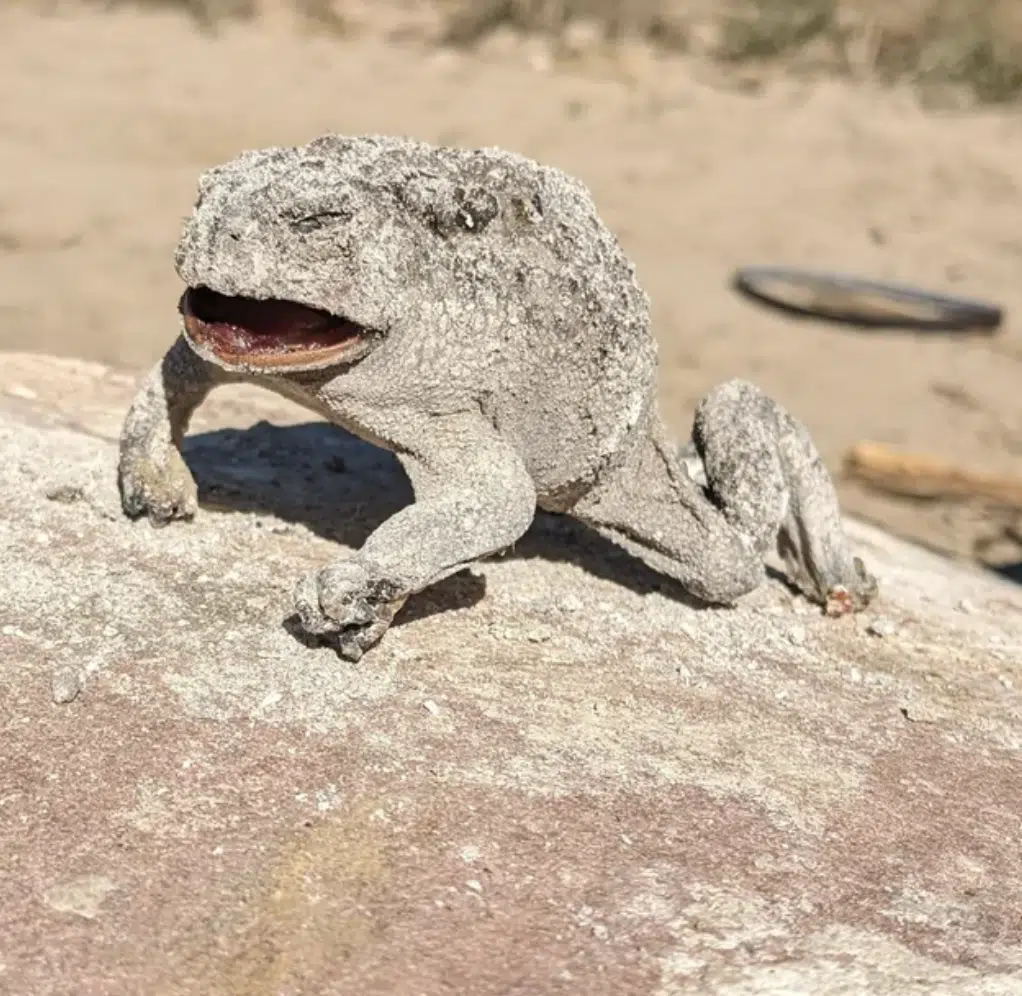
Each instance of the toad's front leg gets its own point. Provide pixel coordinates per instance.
(151, 473)
(473, 497)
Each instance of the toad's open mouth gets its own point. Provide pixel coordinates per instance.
(242, 331)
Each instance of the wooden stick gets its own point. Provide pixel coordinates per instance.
(922, 476)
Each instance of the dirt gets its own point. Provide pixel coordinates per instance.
(108, 118)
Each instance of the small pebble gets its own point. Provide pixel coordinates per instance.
(66, 494)
(431, 707)
(541, 61)
(922, 712)
(966, 606)
(797, 635)
(881, 627)
(474, 884)
(67, 684)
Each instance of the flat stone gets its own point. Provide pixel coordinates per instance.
(682, 801)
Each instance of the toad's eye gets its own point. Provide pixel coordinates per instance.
(306, 222)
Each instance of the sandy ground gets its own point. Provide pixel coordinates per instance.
(108, 118)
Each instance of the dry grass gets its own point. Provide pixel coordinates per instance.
(658, 20)
(970, 45)
(210, 14)
(975, 44)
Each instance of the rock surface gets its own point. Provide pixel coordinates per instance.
(553, 776)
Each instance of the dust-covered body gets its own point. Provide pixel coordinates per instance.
(468, 311)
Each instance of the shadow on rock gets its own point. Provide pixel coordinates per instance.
(342, 488)
(312, 474)
(1010, 572)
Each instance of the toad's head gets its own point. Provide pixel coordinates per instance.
(290, 262)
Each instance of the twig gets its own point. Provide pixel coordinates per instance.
(920, 475)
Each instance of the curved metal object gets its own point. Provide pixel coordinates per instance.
(851, 300)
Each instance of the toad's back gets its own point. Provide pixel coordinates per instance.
(537, 282)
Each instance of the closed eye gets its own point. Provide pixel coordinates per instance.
(319, 219)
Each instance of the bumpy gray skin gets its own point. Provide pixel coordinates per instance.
(510, 366)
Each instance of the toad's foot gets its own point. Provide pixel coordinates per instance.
(346, 604)
(844, 599)
(161, 488)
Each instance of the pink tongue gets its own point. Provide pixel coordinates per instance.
(241, 340)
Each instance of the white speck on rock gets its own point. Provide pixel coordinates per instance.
(67, 685)
(922, 711)
(572, 603)
(431, 707)
(82, 896)
(474, 884)
(881, 627)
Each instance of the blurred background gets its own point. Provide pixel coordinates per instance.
(878, 137)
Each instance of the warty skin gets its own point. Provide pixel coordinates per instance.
(469, 311)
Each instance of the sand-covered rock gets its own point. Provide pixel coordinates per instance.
(555, 775)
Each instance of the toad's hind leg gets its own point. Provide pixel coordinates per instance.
(766, 486)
